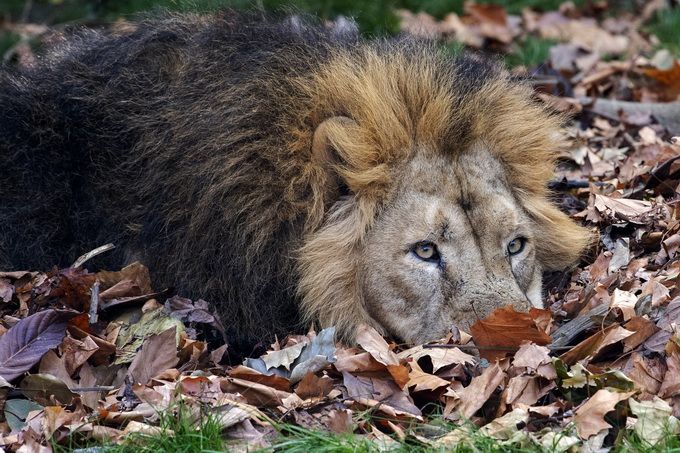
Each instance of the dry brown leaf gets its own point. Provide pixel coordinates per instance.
(135, 273)
(357, 363)
(340, 421)
(420, 380)
(284, 357)
(506, 329)
(312, 386)
(622, 208)
(669, 80)
(54, 365)
(248, 374)
(527, 390)
(624, 301)
(480, 389)
(440, 357)
(592, 345)
(505, 427)
(670, 386)
(548, 410)
(643, 328)
(589, 418)
(492, 21)
(647, 373)
(378, 392)
(258, 395)
(373, 343)
(157, 354)
(531, 356)
(75, 352)
(104, 348)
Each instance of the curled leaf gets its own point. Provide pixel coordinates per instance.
(24, 344)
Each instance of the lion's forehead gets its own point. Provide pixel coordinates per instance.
(472, 185)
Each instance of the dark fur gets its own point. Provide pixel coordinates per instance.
(169, 141)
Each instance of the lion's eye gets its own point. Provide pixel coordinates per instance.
(516, 245)
(426, 251)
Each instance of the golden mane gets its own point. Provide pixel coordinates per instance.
(403, 101)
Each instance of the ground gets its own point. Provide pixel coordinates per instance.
(106, 361)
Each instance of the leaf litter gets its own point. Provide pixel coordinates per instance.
(98, 356)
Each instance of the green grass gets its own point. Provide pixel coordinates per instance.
(666, 26)
(190, 436)
(301, 440)
(185, 435)
(630, 442)
(7, 40)
(530, 53)
(374, 17)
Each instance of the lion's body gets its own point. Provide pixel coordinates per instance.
(188, 143)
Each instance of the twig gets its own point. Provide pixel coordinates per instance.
(101, 388)
(18, 392)
(488, 348)
(93, 315)
(91, 254)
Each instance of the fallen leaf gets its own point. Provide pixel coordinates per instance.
(158, 353)
(76, 352)
(592, 345)
(647, 373)
(624, 301)
(131, 337)
(317, 355)
(440, 357)
(312, 386)
(379, 392)
(643, 328)
(531, 356)
(135, 272)
(24, 344)
(507, 329)
(6, 290)
(41, 388)
(285, 357)
(526, 390)
(589, 417)
(654, 420)
(480, 390)
(373, 343)
(258, 395)
(671, 382)
(358, 363)
(17, 410)
(420, 380)
(340, 421)
(248, 374)
(147, 430)
(622, 208)
(505, 427)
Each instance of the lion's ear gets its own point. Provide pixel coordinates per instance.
(331, 140)
(560, 242)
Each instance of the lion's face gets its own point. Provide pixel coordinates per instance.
(451, 245)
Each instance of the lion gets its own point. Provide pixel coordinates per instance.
(287, 172)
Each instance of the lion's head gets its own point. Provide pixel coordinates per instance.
(444, 214)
